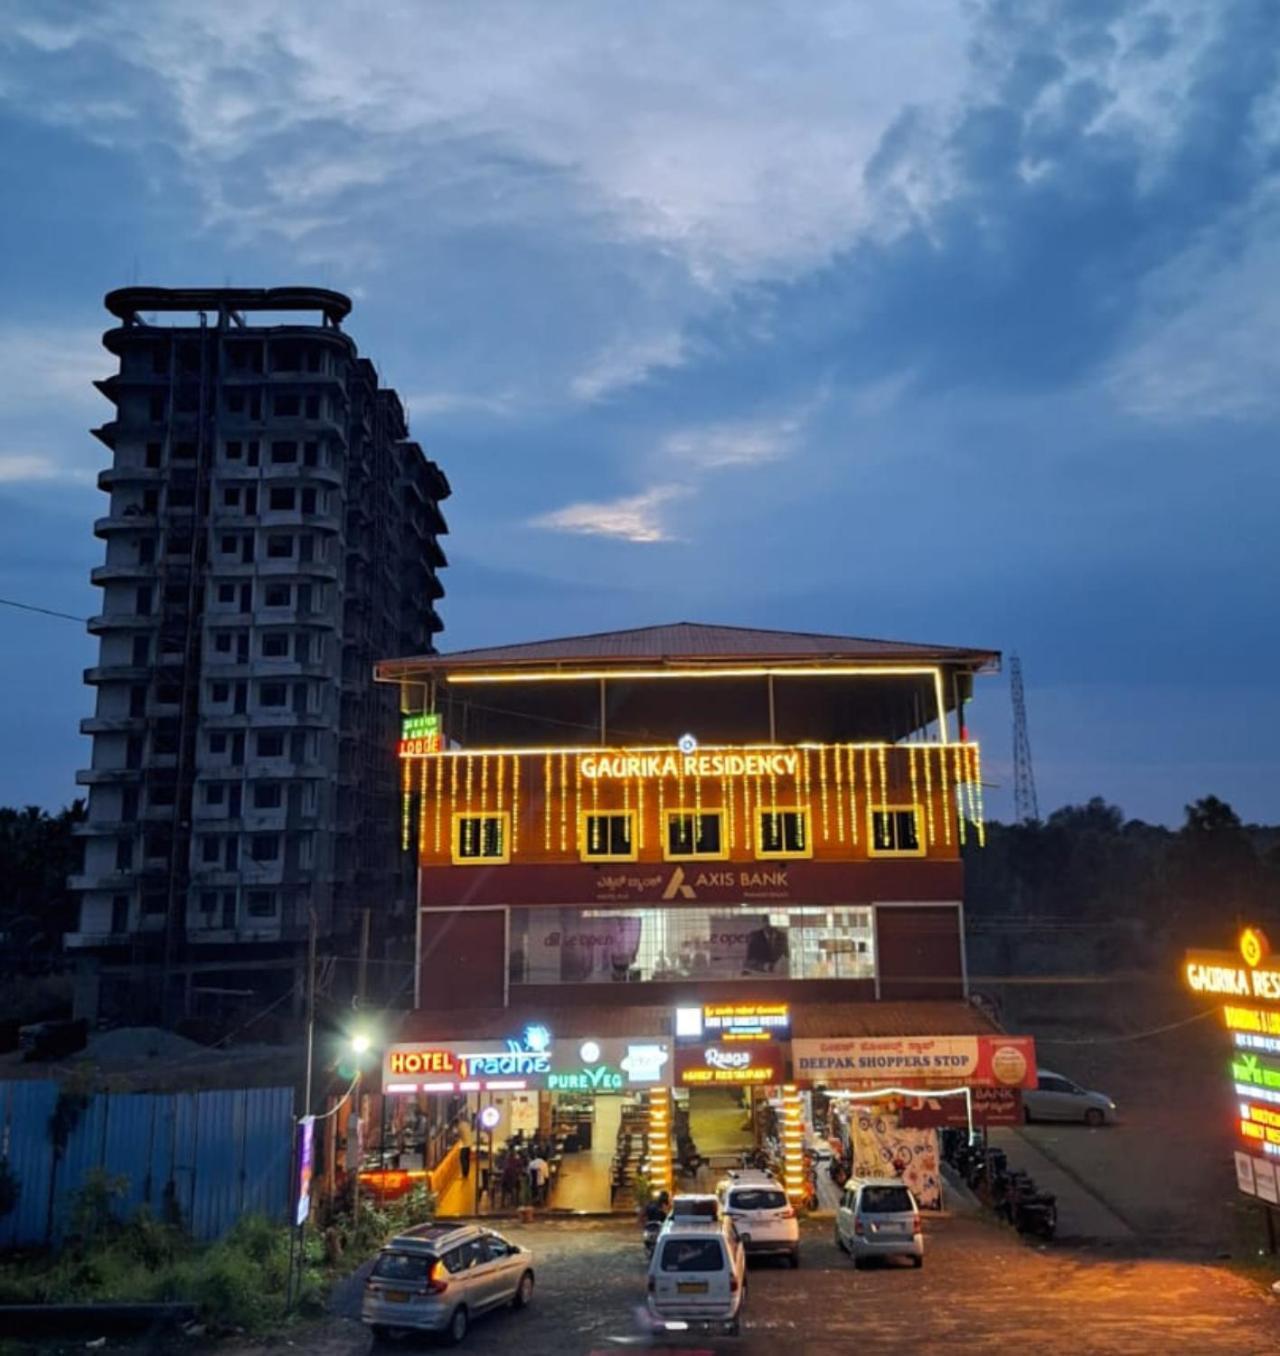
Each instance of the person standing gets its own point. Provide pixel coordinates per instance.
(538, 1171)
(466, 1138)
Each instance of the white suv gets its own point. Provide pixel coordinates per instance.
(763, 1216)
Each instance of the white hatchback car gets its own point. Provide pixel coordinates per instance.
(697, 1277)
(879, 1217)
(1055, 1098)
(763, 1216)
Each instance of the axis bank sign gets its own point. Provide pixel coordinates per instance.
(979, 1061)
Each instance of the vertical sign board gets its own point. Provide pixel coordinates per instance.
(1247, 982)
(304, 1159)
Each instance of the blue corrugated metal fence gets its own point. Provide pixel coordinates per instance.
(214, 1155)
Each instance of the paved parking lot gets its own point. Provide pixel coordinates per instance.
(981, 1289)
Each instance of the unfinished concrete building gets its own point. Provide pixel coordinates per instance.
(272, 531)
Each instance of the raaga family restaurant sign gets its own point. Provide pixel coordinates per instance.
(916, 1061)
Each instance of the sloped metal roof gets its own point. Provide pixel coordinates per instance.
(693, 642)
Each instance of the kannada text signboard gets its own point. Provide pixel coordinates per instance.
(917, 1061)
(991, 1106)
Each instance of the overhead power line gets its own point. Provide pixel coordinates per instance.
(45, 611)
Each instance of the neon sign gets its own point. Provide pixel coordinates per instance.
(600, 1079)
(420, 734)
(737, 1065)
(1250, 1069)
(598, 767)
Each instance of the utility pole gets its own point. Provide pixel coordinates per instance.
(1026, 806)
(311, 1008)
(362, 974)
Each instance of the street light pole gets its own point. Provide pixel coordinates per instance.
(311, 1008)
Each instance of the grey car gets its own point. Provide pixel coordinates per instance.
(1055, 1098)
(439, 1278)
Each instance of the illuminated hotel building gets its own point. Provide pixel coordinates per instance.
(612, 828)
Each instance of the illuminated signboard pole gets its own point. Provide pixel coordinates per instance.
(1247, 982)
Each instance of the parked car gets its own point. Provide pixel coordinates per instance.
(1055, 1098)
(879, 1217)
(439, 1278)
(763, 1216)
(695, 1205)
(697, 1277)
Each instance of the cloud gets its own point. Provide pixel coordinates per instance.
(668, 126)
(20, 468)
(633, 518)
(49, 366)
(1205, 346)
(625, 363)
(748, 443)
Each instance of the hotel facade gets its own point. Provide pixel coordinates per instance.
(687, 860)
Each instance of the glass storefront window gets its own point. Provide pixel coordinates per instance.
(589, 946)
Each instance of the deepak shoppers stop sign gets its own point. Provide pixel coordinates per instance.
(917, 1061)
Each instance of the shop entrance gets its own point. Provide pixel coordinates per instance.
(720, 1123)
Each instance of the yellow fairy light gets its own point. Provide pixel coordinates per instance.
(822, 782)
(959, 780)
(866, 780)
(406, 790)
(435, 832)
(469, 777)
(931, 831)
(884, 775)
(595, 804)
(500, 778)
(515, 804)
(662, 809)
(697, 808)
(546, 802)
(422, 808)
(944, 793)
(773, 792)
(726, 802)
(853, 793)
(837, 770)
(748, 824)
(484, 782)
(639, 813)
(807, 777)
(977, 789)
(564, 802)
(912, 750)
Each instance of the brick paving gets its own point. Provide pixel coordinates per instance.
(981, 1289)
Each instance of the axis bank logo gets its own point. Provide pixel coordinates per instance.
(727, 1059)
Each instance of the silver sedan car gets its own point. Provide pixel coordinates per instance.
(1055, 1098)
(439, 1278)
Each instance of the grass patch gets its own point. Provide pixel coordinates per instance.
(239, 1282)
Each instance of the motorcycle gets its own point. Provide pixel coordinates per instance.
(652, 1228)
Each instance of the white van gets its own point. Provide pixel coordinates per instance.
(697, 1277)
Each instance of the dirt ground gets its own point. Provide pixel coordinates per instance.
(1166, 1169)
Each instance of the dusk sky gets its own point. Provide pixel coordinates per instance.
(937, 321)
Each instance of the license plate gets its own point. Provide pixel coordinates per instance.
(399, 1296)
(886, 1228)
(691, 1287)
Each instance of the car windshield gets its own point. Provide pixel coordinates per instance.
(402, 1266)
(705, 1209)
(693, 1254)
(886, 1200)
(759, 1198)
